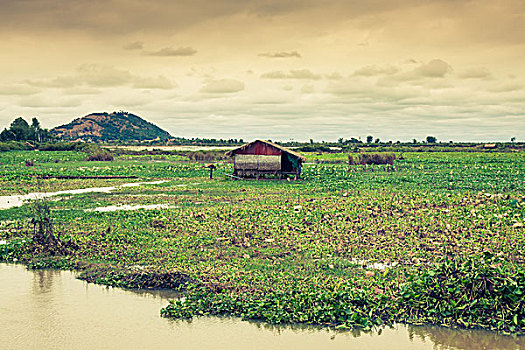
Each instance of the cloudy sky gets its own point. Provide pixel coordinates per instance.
(278, 69)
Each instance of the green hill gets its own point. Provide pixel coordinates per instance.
(116, 126)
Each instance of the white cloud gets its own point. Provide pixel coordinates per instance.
(81, 90)
(308, 89)
(136, 45)
(160, 82)
(292, 74)
(171, 52)
(281, 54)
(18, 89)
(103, 76)
(223, 86)
(434, 69)
(334, 76)
(376, 70)
(46, 102)
(476, 73)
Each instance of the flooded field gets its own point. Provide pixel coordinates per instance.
(50, 309)
(350, 248)
(7, 202)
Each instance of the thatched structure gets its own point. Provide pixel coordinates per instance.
(260, 158)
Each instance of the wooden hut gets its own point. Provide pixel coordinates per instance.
(260, 158)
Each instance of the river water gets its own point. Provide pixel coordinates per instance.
(50, 309)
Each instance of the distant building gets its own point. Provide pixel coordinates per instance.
(260, 158)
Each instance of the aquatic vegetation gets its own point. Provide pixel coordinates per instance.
(342, 247)
(477, 292)
(9, 250)
(134, 277)
(344, 307)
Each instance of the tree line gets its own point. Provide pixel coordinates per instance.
(370, 139)
(20, 130)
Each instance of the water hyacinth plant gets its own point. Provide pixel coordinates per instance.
(439, 240)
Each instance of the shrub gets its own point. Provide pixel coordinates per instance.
(13, 146)
(372, 158)
(63, 146)
(317, 148)
(101, 156)
(206, 156)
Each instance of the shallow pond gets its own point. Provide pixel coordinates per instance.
(50, 309)
(7, 202)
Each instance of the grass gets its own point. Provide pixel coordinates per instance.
(300, 251)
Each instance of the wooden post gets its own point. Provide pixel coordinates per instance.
(211, 167)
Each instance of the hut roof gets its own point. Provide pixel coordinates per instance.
(281, 148)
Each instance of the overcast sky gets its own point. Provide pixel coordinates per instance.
(277, 69)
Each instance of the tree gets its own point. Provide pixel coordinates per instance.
(35, 123)
(7, 135)
(36, 130)
(369, 139)
(340, 140)
(414, 141)
(431, 139)
(512, 139)
(20, 129)
(377, 140)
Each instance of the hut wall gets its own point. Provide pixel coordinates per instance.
(286, 164)
(257, 162)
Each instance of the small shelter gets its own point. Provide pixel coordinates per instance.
(260, 158)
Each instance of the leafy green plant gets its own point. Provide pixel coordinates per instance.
(343, 308)
(9, 250)
(475, 292)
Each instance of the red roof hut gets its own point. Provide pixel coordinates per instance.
(260, 158)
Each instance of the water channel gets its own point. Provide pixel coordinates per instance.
(50, 309)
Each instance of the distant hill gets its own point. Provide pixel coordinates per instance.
(116, 126)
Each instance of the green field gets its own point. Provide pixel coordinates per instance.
(439, 240)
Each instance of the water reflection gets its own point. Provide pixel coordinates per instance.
(49, 309)
(446, 338)
(43, 281)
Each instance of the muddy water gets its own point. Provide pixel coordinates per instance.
(7, 202)
(50, 309)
